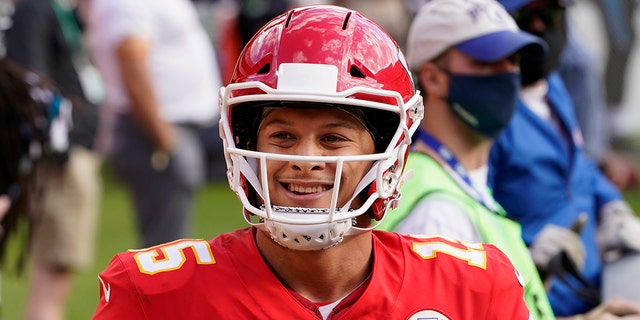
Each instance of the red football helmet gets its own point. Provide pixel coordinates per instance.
(330, 56)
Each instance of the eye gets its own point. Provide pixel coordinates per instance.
(281, 139)
(515, 59)
(334, 139)
(281, 135)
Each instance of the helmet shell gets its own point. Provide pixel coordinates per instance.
(363, 52)
(330, 56)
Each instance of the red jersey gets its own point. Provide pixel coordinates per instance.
(226, 278)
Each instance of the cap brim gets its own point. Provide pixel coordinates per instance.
(501, 44)
(513, 5)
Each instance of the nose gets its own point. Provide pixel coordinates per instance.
(308, 149)
(508, 64)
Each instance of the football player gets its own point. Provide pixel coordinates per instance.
(316, 122)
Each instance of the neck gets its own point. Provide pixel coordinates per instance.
(470, 148)
(538, 83)
(320, 276)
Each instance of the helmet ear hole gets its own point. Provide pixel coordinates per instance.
(265, 69)
(356, 73)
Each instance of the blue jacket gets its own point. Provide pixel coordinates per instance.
(540, 179)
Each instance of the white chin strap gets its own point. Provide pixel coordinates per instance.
(309, 237)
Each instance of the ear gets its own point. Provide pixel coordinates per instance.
(433, 80)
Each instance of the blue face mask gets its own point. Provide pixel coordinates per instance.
(485, 103)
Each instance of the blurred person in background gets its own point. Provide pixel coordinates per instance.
(619, 18)
(238, 21)
(229, 24)
(161, 75)
(35, 120)
(466, 57)
(46, 37)
(392, 15)
(541, 176)
(219, 20)
(579, 69)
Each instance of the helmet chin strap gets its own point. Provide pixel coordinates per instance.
(309, 237)
(313, 237)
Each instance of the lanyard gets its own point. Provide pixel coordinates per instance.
(456, 170)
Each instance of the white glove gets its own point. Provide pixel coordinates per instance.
(619, 227)
(551, 241)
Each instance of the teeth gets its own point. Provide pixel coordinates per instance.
(301, 189)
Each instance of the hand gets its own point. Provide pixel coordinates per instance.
(610, 310)
(5, 204)
(620, 169)
(552, 241)
(619, 227)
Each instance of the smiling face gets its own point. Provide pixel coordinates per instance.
(313, 132)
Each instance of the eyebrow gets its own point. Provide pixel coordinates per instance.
(331, 125)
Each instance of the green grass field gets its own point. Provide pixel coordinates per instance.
(217, 211)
